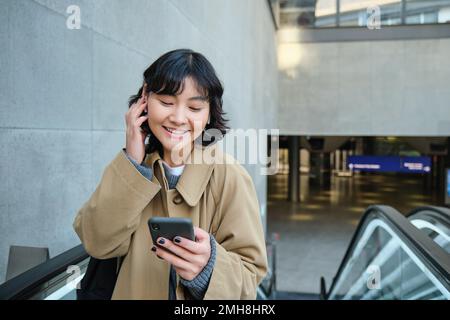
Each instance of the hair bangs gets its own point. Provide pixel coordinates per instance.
(170, 81)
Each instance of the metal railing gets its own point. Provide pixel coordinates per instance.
(401, 235)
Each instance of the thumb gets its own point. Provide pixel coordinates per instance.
(200, 234)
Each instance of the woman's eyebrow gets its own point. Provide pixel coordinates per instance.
(201, 98)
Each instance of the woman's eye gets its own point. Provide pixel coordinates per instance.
(195, 109)
(165, 103)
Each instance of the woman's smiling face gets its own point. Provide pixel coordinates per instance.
(177, 120)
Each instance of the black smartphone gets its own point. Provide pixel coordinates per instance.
(169, 228)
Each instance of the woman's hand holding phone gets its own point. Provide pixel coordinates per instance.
(187, 257)
(135, 136)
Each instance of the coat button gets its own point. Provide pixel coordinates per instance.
(177, 199)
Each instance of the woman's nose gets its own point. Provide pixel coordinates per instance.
(178, 116)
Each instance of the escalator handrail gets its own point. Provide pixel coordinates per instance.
(19, 287)
(433, 253)
(439, 213)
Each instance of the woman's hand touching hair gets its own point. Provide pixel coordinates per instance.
(135, 136)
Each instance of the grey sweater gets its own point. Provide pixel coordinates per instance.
(197, 286)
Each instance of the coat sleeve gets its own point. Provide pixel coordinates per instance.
(107, 221)
(241, 258)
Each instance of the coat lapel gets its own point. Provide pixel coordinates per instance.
(195, 176)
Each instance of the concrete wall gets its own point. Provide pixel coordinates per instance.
(63, 95)
(398, 88)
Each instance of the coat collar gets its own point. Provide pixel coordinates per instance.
(196, 173)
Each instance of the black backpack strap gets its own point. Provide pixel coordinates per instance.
(100, 279)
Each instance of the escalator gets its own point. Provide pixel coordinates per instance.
(435, 222)
(55, 279)
(389, 257)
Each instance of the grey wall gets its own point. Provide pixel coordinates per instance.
(398, 88)
(63, 95)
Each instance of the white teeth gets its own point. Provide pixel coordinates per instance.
(175, 131)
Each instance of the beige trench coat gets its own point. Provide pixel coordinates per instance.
(219, 197)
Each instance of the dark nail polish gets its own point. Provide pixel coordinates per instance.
(177, 239)
(154, 249)
(161, 241)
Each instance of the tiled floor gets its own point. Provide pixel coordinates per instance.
(315, 233)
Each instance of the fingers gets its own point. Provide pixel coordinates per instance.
(194, 256)
(196, 253)
(201, 246)
(139, 106)
(186, 269)
(189, 246)
(133, 115)
(141, 120)
(172, 259)
(201, 234)
(188, 257)
(179, 251)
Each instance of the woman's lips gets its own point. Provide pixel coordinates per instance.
(173, 133)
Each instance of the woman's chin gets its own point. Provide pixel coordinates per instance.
(173, 145)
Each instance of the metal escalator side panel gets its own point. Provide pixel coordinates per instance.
(435, 222)
(402, 261)
(53, 279)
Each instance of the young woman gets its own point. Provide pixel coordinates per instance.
(180, 99)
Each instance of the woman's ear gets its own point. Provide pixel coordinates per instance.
(144, 90)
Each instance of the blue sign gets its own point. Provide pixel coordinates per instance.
(390, 164)
(448, 182)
